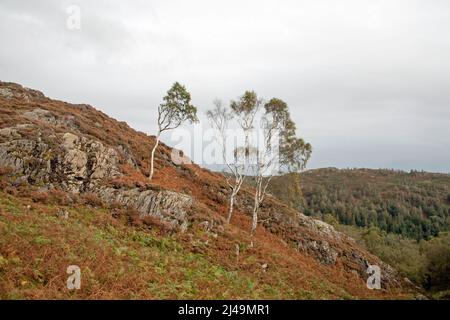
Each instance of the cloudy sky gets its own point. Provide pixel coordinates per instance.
(368, 82)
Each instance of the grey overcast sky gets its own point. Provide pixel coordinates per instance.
(368, 82)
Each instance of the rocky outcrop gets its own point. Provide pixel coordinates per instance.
(68, 161)
(88, 162)
(46, 117)
(78, 164)
(15, 91)
(164, 204)
(81, 165)
(320, 249)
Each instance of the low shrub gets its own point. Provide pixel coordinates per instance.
(161, 225)
(39, 196)
(5, 170)
(91, 199)
(59, 197)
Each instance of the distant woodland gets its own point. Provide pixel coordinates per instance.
(402, 217)
(415, 204)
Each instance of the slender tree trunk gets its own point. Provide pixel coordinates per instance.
(230, 210)
(153, 157)
(255, 215)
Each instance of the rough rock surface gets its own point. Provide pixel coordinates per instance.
(82, 165)
(164, 204)
(88, 162)
(73, 163)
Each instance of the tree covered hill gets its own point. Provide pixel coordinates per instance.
(401, 217)
(413, 204)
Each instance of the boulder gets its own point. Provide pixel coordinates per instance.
(164, 204)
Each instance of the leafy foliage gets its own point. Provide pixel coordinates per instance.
(426, 263)
(176, 108)
(246, 109)
(437, 266)
(294, 152)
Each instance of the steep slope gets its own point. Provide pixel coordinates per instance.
(49, 146)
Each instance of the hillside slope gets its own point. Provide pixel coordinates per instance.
(55, 150)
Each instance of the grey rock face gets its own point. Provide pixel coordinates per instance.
(47, 117)
(87, 162)
(24, 94)
(39, 114)
(6, 93)
(26, 157)
(319, 249)
(320, 227)
(78, 164)
(164, 204)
